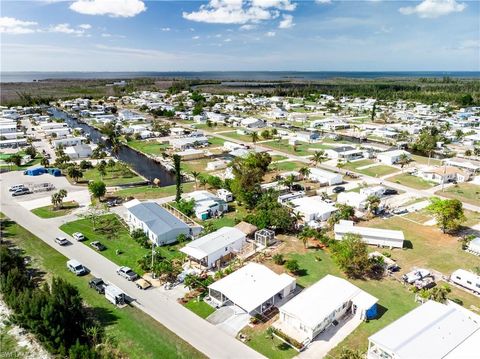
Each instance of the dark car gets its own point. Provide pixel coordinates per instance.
(297, 187)
(98, 246)
(98, 284)
(390, 192)
(338, 189)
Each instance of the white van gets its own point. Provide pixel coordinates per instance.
(16, 187)
(76, 267)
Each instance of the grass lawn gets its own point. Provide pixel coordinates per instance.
(12, 167)
(236, 136)
(289, 166)
(424, 160)
(200, 308)
(465, 192)
(49, 212)
(378, 171)
(114, 177)
(262, 343)
(135, 333)
(151, 192)
(303, 149)
(198, 165)
(215, 141)
(412, 181)
(352, 166)
(430, 248)
(130, 250)
(278, 158)
(148, 146)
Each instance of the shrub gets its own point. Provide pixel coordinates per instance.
(292, 265)
(278, 259)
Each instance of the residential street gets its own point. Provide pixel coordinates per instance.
(202, 335)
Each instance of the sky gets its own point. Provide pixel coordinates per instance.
(240, 35)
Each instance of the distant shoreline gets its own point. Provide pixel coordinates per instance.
(34, 76)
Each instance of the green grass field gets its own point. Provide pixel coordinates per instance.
(151, 192)
(149, 147)
(289, 166)
(424, 160)
(352, 166)
(270, 348)
(465, 192)
(113, 177)
(134, 333)
(215, 141)
(236, 136)
(200, 308)
(303, 149)
(49, 212)
(377, 171)
(412, 181)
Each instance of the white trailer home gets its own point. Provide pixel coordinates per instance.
(374, 236)
(325, 177)
(466, 279)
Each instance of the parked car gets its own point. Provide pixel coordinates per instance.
(338, 189)
(61, 240)
(76, 267)
(98, 246)
(20, 192)
(78, 236)
(16, 187)
(417, 274)
(425, 283)
(390, 192)
(98, 284)
(127, 273)
(143, 284)
(399, 211)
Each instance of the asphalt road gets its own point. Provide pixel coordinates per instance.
(205, 337)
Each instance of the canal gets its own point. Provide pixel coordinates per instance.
(142, 164)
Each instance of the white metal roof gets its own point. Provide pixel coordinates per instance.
(313, 204)
(348, 227)
(212, 242)
(252, 285)
(322, 173)
(321, 299)
(432, 331)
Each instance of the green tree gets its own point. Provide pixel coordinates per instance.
(97, 189)
(186, 207)
(347, 353)
(373, 203)
(177, 162)
(318, 157)
(305, 172)
(372, 116)
(45, 162)
(403, 160)
(31, 151)
(448, 213)
(74, 172)
(292, 266)
(351, 255)
(195, 175)
(254, 136)
(440, 293)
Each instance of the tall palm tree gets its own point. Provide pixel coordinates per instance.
(254, 137)
(304, 171)
(195, 176)
(318, 157)
(440, 294)
(289, 181)
(373, 202)
(403, 160)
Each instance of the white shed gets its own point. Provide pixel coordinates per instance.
(325, 177)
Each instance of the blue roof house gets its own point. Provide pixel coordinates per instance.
(161, 226)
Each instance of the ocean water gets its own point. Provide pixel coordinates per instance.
(233, 75)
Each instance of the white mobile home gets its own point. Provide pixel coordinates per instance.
(253, 288)
(320, 305)
(392, 157)
(354, 199)
(474, 246)
(325, 177)
(213, 247)
(466, 279)
(432, 330)
(374, 236)
(312, 208)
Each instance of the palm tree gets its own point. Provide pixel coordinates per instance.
(44, 162)
(195, 176)
(318, 157)
(74, 173)
(297, 216)
(340, 164)
(289, 181)
(254, 137)
(304, 171)
(373, 202)
(440, 294)
(403, 160)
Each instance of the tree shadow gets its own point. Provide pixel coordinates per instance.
(283, 346)
(301, 272)
(103, 315)
(407, 244)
